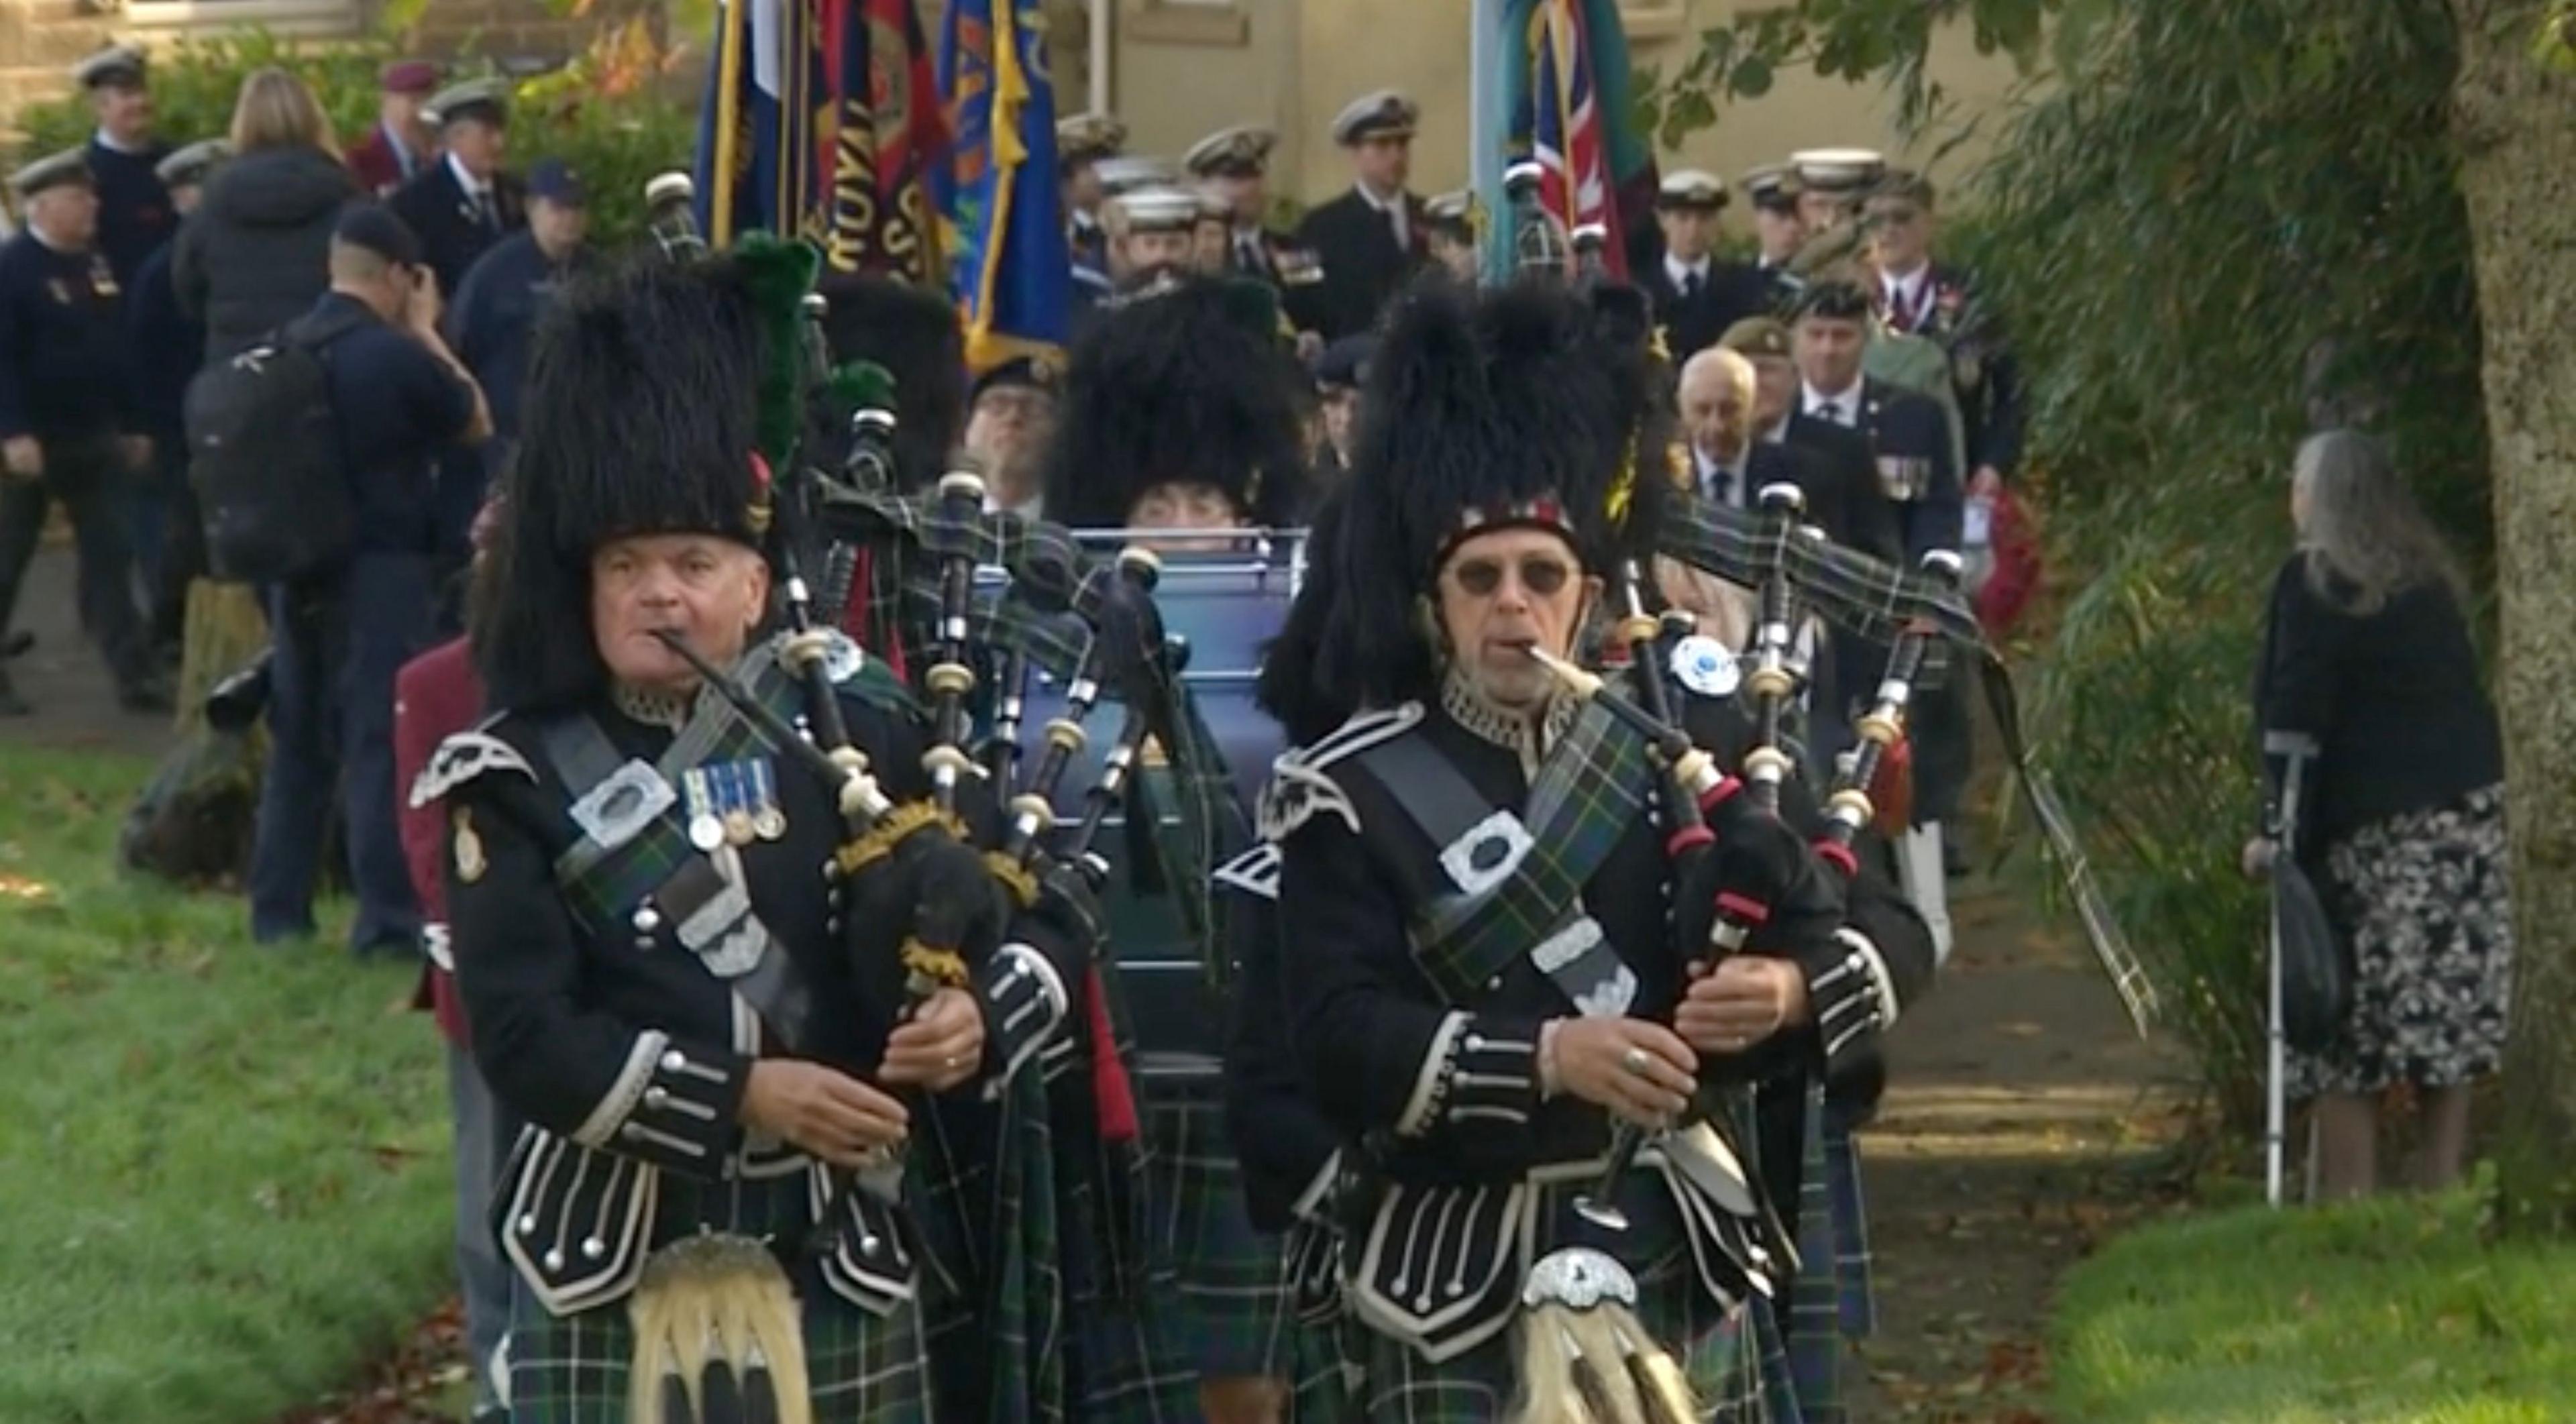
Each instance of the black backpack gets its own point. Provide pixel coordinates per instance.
(266, 458)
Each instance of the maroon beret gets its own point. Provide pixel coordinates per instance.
(408, 76)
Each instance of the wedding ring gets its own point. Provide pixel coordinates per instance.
(1635, 1061)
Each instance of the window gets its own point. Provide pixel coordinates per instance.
(1653, 19)
(1202, 22)
(286, 17)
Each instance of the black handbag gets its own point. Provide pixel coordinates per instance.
(2316, 969)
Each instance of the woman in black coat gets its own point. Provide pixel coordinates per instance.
(2368, 653)
(256, 254)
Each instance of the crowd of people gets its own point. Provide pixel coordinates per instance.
(1466, 939)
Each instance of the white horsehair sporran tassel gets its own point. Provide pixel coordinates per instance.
(712, 1301)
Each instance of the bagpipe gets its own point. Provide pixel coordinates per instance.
(1583, 1354)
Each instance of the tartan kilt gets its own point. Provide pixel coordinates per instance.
(862, 1368)
(1711, 1343)
(1320, 1370)
(1234, 1312)
(1855, 1294)
(1123, 1365)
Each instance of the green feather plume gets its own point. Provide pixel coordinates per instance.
(779, 273)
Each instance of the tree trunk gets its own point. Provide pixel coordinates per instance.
(2514, 119)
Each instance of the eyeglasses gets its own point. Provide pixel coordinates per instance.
(1540, 574)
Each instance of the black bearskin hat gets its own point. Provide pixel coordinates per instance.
(1528, 405)
(641, 417)
(1191, 385)
(912, 332)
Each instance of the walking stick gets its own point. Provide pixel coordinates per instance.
(2295, 751)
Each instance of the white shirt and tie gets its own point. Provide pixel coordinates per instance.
(1393, 210)
(1724, 484)
(1908, 298)
(1842, 408)
(1688, 278)
(478, 195)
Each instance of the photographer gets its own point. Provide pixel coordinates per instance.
(399, 397)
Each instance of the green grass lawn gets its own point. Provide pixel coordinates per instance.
(224, 1176)
(2390, 1312)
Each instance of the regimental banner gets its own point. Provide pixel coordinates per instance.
(1013, 275)
(822, 122)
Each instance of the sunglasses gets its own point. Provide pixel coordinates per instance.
(1539, 573)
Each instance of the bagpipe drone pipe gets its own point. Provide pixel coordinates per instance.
(1031, 647)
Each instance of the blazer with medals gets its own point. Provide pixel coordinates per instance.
(1363, 264)
(435, 207)
(1292, 270)
(622, 968)
(1911, 442)
(1982, 370)
(1397, 822)
(1693, 322)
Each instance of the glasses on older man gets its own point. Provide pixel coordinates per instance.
(1541, 574)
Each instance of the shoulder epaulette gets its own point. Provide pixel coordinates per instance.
(1255, 872)
(1301, 784)
(463, 757)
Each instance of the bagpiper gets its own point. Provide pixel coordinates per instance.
(1180, 416)
(731, 978)
(1533, 958)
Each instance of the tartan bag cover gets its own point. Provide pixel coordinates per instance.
(1594, 785)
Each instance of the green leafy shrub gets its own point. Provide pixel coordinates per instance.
(2227, 221)
(610, 112)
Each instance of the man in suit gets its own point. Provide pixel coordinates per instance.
(1372, 239)
(1831, 183)
(463, 204)
(164, 348)
(1911, 443)
(1909, 436)
(134, 212)
(1081, 143)
(1696, 296)
(1772, 190)
(402, 143)
(1840, 478)
(1234, 163)
(1922, 297)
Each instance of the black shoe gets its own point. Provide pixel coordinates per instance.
(16, 644)
(11, 704)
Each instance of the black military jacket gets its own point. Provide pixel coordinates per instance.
(626, 1048)
(1373, 1035)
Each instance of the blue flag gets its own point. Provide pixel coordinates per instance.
(1013, 272)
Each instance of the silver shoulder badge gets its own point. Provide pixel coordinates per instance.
(624, 803)
(1703, 665)
(460, 759)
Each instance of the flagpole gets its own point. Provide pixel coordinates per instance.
(1484, 160)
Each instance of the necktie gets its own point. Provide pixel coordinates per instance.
(1247, 254)
(1690, 286)
(483, 208)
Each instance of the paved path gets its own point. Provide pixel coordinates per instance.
(64, 676)
(2021, 1106)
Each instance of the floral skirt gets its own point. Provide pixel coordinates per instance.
(2421, 900)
